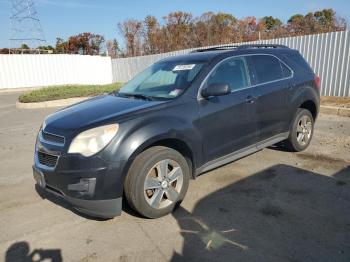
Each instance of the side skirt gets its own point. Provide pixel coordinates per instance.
(241, 153)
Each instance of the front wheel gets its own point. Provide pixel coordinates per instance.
(301, 131)
(157, 181)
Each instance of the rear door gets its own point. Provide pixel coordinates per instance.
(272, 80)
(227, 122)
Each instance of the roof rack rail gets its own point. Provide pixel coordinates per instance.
(261, 46)
(215, 48)
(239, 47)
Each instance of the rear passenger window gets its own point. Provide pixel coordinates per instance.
(232, 72)
(267, 68)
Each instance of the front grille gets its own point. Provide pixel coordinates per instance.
(47, 160)
(52, 138)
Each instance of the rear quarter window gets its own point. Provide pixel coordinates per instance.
(286, 71)
(298, 61)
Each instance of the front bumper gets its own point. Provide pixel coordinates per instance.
(107, 208)
(86, 194)
(91, 185)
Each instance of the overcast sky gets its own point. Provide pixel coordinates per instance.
(62, 18)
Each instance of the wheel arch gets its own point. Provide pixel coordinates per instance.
(310, 105)
(174, 143)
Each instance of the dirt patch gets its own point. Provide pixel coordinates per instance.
(315, 161)
(323, 159)
(335, 101)
(89, 257)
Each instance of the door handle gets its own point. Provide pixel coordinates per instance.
(250, 99)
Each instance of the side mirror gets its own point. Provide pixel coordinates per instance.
(215, 89)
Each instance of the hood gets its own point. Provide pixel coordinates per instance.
(93, 111)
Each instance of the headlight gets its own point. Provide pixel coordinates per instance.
(93, 140)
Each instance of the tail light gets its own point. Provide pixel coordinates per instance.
(317, 81)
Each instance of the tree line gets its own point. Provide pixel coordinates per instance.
(181, 30)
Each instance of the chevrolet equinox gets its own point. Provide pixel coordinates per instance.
(179, 118)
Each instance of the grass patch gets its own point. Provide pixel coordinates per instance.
(67, 91)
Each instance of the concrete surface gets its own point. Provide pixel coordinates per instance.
(270, 206)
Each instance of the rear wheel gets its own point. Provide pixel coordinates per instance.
(157, 181)
(301, 131)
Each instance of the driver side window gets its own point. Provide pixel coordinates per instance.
(232, 72)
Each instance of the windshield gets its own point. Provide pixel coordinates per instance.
(162, 80)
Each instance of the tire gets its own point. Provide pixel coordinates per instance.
(144, 187)
(301, 131)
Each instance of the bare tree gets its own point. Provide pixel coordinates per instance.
(131, 30)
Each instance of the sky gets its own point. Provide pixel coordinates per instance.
(62, 18)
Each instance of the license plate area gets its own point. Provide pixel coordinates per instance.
(39, 178)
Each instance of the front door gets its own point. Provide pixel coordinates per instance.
(228, 122)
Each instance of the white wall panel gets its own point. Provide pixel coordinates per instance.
(47, 70)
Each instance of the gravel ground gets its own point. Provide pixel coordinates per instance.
(270, 206)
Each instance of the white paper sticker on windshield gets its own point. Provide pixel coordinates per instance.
(183, 67)
(175, 92)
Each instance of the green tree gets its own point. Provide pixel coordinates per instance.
(296, 23)
(24, 46)
(272, 23)
(49, 49)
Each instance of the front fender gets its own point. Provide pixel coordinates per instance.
(137, 134)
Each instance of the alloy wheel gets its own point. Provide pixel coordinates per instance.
(163, 184)
(304, 130)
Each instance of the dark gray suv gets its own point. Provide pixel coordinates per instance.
(179, 118)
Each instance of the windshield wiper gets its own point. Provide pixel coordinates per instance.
(137, 96)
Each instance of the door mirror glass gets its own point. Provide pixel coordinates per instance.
(215, 89)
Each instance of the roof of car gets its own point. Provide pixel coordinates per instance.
(208, 54)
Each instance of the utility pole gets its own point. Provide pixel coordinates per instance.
(26, 28)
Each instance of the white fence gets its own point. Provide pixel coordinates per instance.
(328, 54)
(45, 70)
